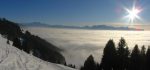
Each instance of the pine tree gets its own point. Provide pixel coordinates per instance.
(17, 43)
(89, 64)
(143, 58)
(135, 59)
(148, 59)
(109, 56)
(122, 55)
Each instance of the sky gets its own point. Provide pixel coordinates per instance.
(72, 12)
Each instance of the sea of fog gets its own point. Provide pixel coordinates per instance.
(78, 44)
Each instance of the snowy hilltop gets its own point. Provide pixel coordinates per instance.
(12, 58)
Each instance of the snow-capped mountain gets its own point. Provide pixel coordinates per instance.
(12, 58)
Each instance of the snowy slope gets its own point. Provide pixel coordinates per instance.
(12, 58)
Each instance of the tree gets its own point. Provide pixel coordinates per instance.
(122, 55)
(109, 56)
(143, 58)
(17, 43)
(135, 59)
(27, 43)
(148, 59)
(71, 65)
(89, 64)
(143, 50)
(82, 68)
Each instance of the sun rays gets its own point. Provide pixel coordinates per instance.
(133, 13)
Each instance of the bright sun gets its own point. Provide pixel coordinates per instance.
(133, 14)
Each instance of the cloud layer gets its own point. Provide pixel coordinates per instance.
(79, 44)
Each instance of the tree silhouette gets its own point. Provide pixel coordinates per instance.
(109, 56)
(17, 43)
(26, 43)
(89, 64)
(148, 59)
(143, 50)
(120, 58)
(71, 65)
(143, 58)
(135, 59)
(122, 55)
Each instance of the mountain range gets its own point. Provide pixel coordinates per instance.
(93, 27)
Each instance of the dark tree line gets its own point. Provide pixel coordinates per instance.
(70, 65)
(120, 58)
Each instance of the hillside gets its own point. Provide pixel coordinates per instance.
(28, 42)
(12, 58)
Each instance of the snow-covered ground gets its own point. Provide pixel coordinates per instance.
(12, 58)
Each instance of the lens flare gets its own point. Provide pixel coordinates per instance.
(133, 14)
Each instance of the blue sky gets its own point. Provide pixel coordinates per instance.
(70, 12)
